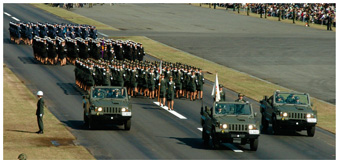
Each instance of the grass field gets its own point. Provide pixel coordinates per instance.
(73, 17)
(20, 125)
(231, 79)
(243, 12)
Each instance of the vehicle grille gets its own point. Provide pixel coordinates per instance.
(111, 110)
(297, 115)
(238, 127)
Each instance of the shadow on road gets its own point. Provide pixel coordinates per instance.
(22, 131)
(79, 125)
(70, 89)
(28, 60)
(283, 132)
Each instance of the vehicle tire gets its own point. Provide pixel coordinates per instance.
(254, 144)
(264, 123)
(275, 126)
(127, 125)
(215, 141)
(311, 131)
(85, 120)
(91, 124)
(205, 137)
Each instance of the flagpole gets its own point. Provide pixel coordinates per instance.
(159, 81)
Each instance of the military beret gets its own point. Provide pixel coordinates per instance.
(220, 86)
(240, 95)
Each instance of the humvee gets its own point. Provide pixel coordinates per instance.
(288, 110)
(107, 105)
(230, 122)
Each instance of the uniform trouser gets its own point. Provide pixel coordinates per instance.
(40, 123)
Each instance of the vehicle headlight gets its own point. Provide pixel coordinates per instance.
(123, 109)
(99, 108)
(308, 115)
(285, 114)
(250, 127)
(224, 126)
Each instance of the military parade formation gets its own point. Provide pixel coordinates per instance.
(151, 79)
(108, 62)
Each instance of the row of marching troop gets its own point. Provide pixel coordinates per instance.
(50, 51)
(25, 32)
(66, 42)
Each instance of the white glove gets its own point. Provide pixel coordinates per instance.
(40, 115)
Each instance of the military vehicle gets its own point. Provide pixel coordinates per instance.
(230, 122)
(107, 105)
(289, 111)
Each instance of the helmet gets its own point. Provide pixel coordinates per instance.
(39, 93)
(22, 156)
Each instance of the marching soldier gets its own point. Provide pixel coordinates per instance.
(170, 93)
(200, 83)
(151, 83)
(163, 87)
(133, 81)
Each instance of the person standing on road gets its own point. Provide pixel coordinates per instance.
(40, 112)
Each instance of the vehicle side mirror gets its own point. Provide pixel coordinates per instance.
(255, 114)
(265, 97)
(312, 104)
(129, 97)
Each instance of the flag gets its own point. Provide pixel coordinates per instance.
(160, 70)
(215, 90)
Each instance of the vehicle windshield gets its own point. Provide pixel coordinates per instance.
(108, 93)
(291, 98)
(232, 109)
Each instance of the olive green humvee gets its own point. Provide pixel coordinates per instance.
(230, 122)
(107, 105)
(288, 110)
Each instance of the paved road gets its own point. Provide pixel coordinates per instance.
(155, 133)
(288, 55)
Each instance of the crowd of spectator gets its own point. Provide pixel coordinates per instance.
(317, 13)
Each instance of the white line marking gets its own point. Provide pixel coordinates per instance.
(7, 14)
(171, 111)
(103, 34)
(230, 146)
(15, 18)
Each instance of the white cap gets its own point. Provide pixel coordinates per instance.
(39, 93)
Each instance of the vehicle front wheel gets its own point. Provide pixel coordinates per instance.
(264, 123)
(91, 124)
(254, 144)
(275, 126)
(215, 141)
(127, 124)
(311, 131)
(205, 137)
(85, 120)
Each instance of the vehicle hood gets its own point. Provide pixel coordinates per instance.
(109, 103)
(294, 108)
(236, 119)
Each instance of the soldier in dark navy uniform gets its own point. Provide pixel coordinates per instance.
(62, 51)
